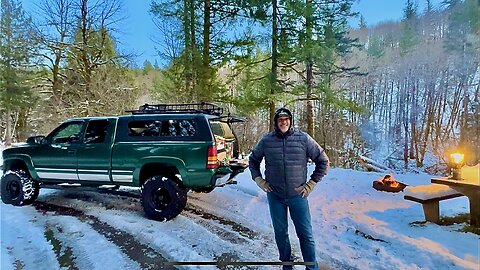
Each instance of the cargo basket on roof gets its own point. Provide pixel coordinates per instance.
(203, 107)
(193, 108)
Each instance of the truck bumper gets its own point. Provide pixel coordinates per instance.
(226, 175)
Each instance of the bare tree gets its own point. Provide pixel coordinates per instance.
(54, 32)
(169, 44)
(422, 93)
(93, 40)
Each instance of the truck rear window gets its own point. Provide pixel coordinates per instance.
(162, 128)
(222, 129)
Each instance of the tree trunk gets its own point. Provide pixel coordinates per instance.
(310, 112)
(413, 118)
(86, 69)
(194, 52)
(187, 55)
(205, 78)
(476, 122)
(441, 103)
(274, 68)
(390, 124)
(405, 123)
(57, 83)
(8, 129)
(463, 142)
(424, 137)
(309, 67)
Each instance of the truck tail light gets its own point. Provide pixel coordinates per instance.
(212, 161)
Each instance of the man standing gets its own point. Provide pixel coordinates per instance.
(286, 152)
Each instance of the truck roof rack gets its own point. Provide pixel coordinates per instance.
(203, 107)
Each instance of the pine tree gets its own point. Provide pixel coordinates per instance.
(147, 67)
(155, 65)
(202, 27)
(321, 40)
(16, 55)
(363, 23)
(376, 47)
(409, 37)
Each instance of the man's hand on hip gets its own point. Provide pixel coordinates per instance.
(263, 184)
(306, 188)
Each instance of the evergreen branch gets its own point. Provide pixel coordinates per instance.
(289, 64)
(254, 63)
(259, 78)
(300, 73)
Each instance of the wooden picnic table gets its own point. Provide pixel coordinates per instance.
(471, 189)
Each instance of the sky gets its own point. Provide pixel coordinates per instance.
(354, 226)
(375, 11)
(138, 30)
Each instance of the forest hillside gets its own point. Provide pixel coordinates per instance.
(404, 93)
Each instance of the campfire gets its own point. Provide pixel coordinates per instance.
(389, 184)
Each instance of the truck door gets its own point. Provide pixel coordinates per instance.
(57, 159)
(93, 154)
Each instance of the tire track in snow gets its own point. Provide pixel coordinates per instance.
(23, 245)
(231, 233)
(239, 237)
(64, 254)
(197, 212)
(144, 255)
(249, 243)
(190, 211)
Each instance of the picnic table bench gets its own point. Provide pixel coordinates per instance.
(430, 196)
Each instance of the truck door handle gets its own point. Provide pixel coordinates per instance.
(72, 152)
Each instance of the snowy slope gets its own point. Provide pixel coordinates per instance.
(355, 226)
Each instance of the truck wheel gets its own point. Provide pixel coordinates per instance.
(18, 188)
(162, 198)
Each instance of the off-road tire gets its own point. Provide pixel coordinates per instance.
(162, 198)
(36, 192)
(18, 188)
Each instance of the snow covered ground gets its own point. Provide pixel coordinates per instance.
(355, 226)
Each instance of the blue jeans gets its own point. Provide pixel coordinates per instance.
(300, 215)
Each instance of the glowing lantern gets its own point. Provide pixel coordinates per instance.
(457, 160)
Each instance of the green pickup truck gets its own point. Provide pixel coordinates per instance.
(166, 149)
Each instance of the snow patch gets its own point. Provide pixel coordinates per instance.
(23, 241)
(425, 192)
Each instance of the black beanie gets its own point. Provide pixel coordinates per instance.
(282, 112)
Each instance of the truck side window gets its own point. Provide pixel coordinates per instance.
(186, 127)
(164, 128)
(96, 131)
(149, 128)
(67, 133)
(178, 128)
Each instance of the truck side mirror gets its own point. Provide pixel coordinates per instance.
(36, 140)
